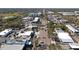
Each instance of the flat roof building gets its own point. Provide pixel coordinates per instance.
(50, 12)
(35, 14)
(50, 17)
(74, 46)
(71, 28)
(25, 34)
(36, 19)
(5, 32)
(67, 13)
(65, 38)
(13, 45)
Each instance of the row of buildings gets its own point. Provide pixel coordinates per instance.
(66, 39)
(15, 44)
(23, 36)
(69, 13)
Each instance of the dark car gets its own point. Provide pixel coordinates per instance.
(28, 45)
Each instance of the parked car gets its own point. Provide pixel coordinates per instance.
(28, 45)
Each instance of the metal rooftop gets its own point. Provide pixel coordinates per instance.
(71, 28)
(6, 31)
(65, 38)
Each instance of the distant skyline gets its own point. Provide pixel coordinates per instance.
(38, 9)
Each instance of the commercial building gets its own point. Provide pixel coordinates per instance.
(13, 45)
(67, 13)
(74, 46)
(50, 17)
(25, 34)
(16, 44)
(5, 33)
(71, 28)
(50, 12)
(36, 19)
(63, 36)
(36, 14)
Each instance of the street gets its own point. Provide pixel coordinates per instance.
(43, 33)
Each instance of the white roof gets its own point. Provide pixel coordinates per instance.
(49, 12)
(39, 13)
(28, 33)
(6, 31)
(64, 37)
(71, 28)
(74, 45)
(11, 47)
(67, 13)
(36, 19)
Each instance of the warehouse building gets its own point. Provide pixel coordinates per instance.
(72, 29)
(36, 14)
(66, 13)
(36, 20)
(5, 33)
(26, 34)
(50, 12)
(74, 46)
(63, 37)
(13, 45)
